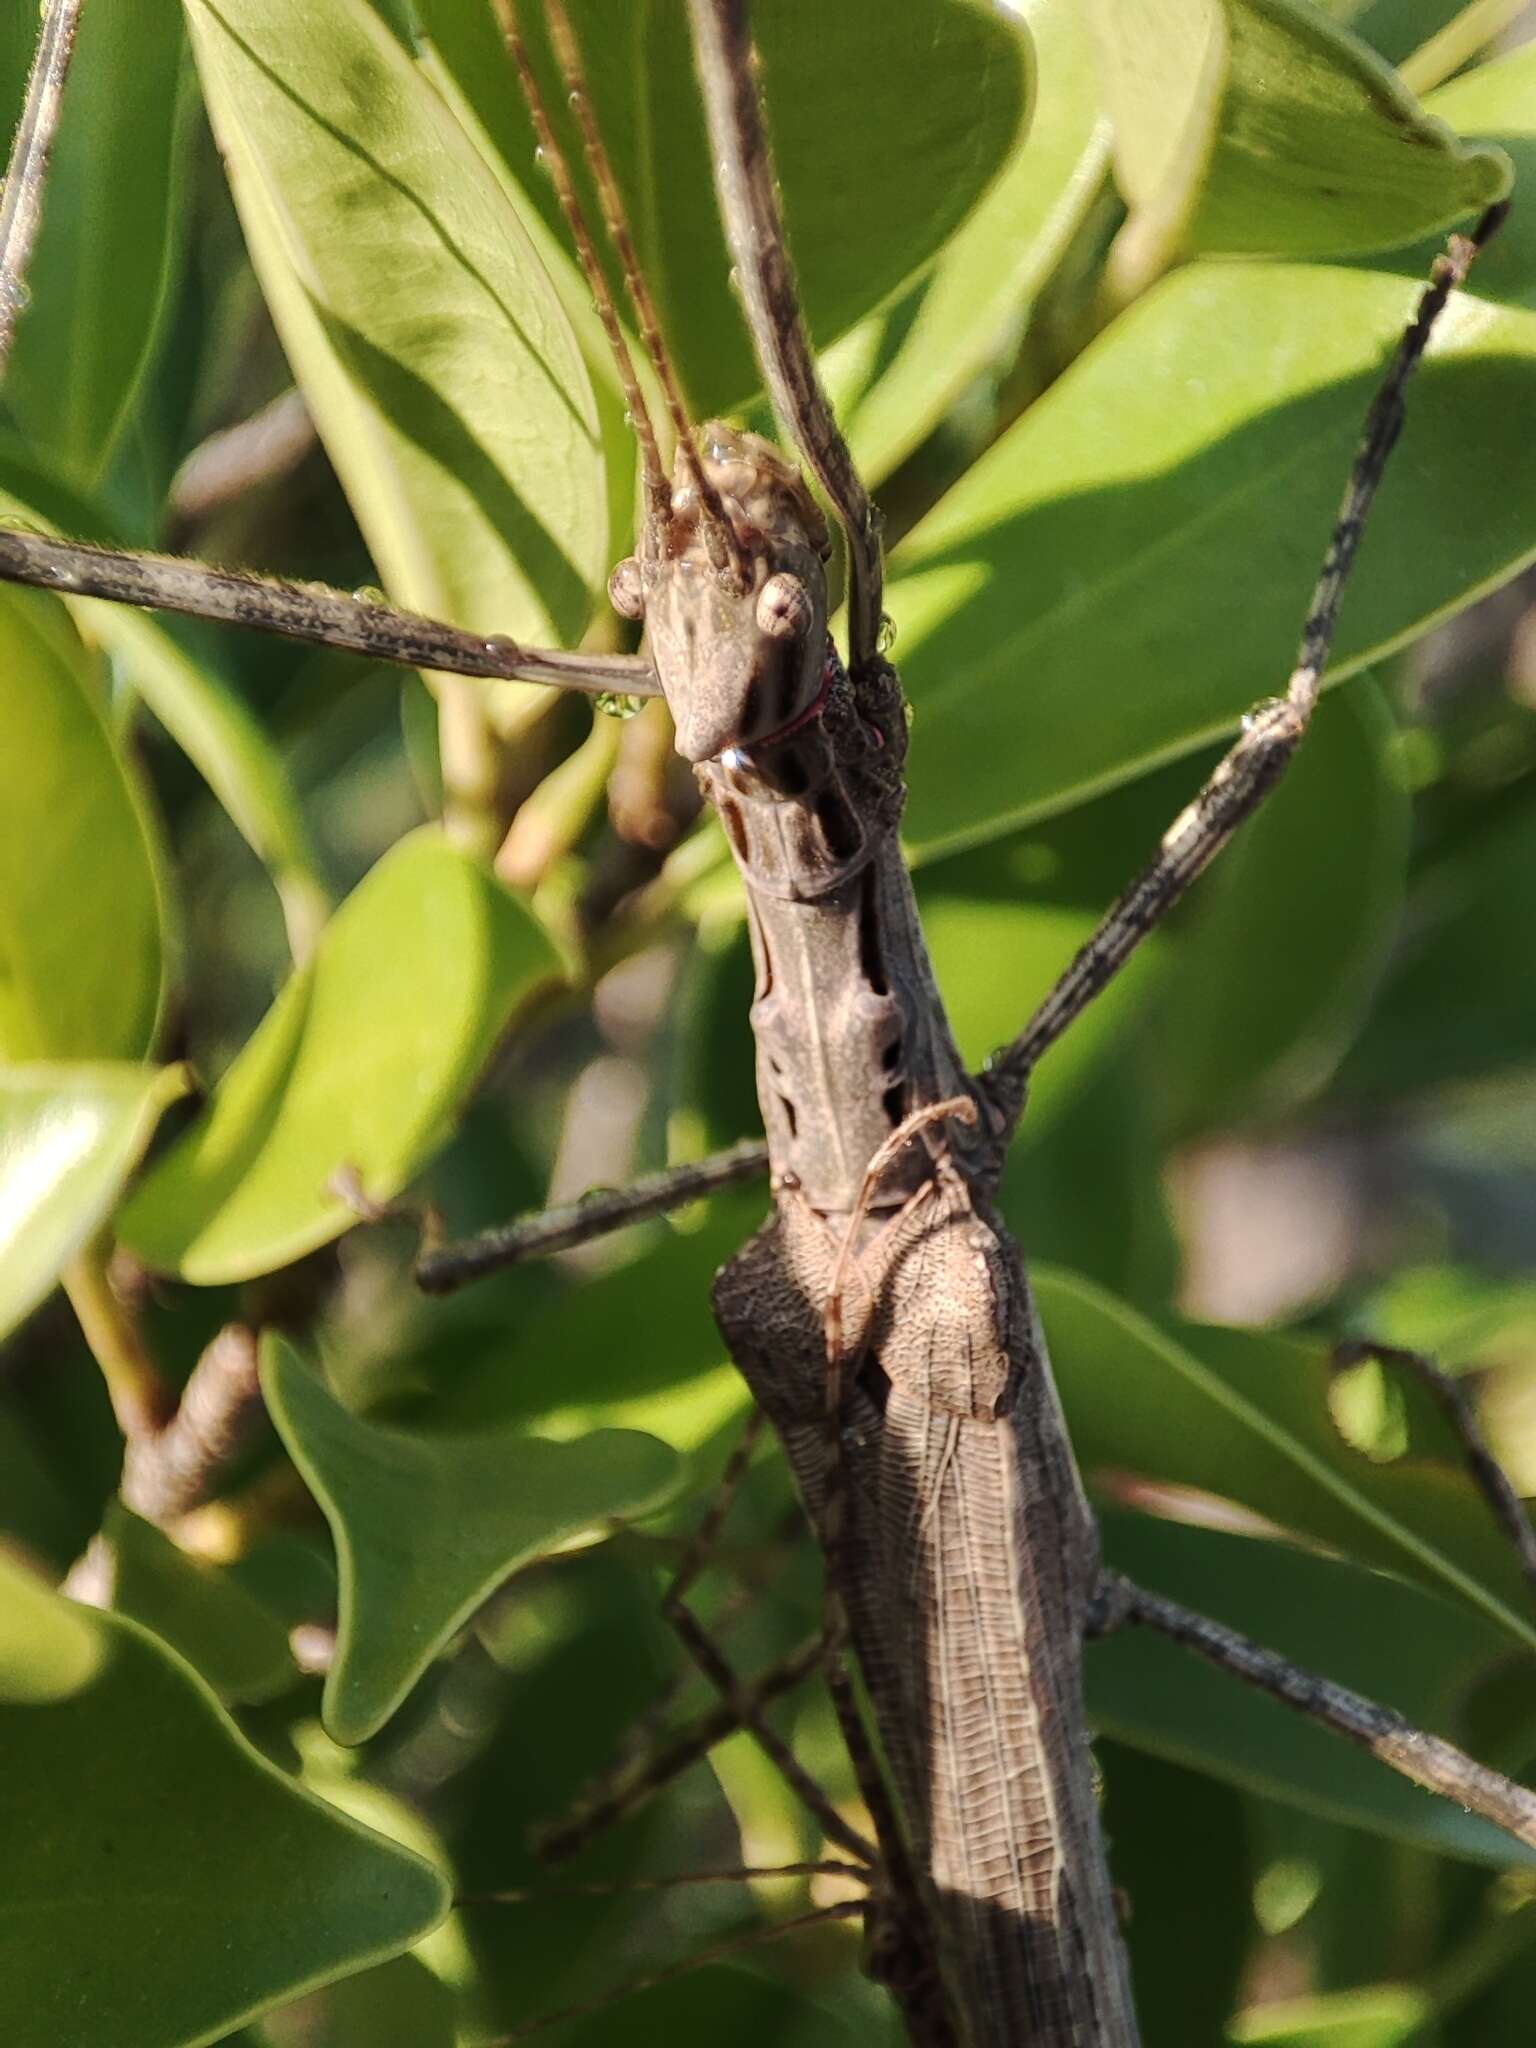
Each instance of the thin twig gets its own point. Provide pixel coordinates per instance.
(239, 459)
(172, 1470)
(847, 1909)
(26, 178)
(605, 1209)
(1495, 1484)
(741, 1873)
(310, 612)
(1428, 1760)
(1271, 734)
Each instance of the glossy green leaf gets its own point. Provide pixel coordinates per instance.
(109, 246)
(225, 1634)
(896, 374)
(1289, 933)
(209, 721)
(1243, 1415)
(441, 371)
(81, 946)
(188, 1882)
(69, 1138)
(427, 1526)
(358, 1069)
(1378, 2016)
(834, 101)
(1392, 1642)
(1086, 602)
(1258, 127)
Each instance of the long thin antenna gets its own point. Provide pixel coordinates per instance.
(653, 474)
(725, 550)
(21, 203)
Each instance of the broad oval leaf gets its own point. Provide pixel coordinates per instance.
(953, 87)
(1394, 1643)
(428, 1525)
(1126, 571)
(69, 1138)
(1243, 1414)
(355, 1073)
(442, 373)
(109, 246)
(153, 1830)
(1259, 127)
(81, 914)
(893, 378)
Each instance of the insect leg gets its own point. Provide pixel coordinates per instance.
(1271, 732)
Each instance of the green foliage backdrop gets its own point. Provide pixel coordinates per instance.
(294, 949)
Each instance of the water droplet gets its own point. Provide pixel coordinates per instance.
(885, 638)
(369, 593)
(541, 161)
(733, 279)
(618, 704)
(62, 578)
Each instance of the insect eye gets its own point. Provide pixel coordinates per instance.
(784, 608)
(625, 593)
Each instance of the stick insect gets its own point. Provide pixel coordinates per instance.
(882, 1318)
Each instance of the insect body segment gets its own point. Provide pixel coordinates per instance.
(739, 646)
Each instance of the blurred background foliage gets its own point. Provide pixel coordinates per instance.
(285, 930)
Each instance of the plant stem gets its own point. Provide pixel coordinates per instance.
(1459, 41)
(141, 1400)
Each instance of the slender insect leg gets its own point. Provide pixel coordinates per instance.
(742, 1704)
(1271, 733)
(450, 1266)
(754, 1937)
(1425, 1758)
(21, 202)
(1489, 1476)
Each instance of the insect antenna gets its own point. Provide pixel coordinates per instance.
(726, 552)
(21, 203)
(653, 474)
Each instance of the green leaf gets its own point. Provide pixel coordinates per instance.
(225, 1634)
(427, 1526)
(1244, 1415)
(209, 720)
(441, 371)
(1258, 127)
(1377, 2016)
(358, 1068)
(69, 1138)
(152, 1830)
(958, 113)
(1290, 932)
(110, 241)
(1127, 569)
(893, 378)
(1390, 1641)
(81, 915)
